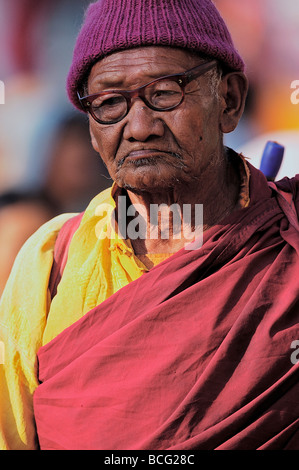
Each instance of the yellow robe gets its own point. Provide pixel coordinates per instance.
(99, 265)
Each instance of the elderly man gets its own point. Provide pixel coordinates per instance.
(138, 337)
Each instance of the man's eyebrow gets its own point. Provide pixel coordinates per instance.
(105, 84)
(112, 81)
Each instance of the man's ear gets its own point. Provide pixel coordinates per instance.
(93, 139)
(233, 91)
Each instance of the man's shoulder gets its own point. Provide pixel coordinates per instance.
(100, 201)
(45, 236)
(36, 254)
(289, 185)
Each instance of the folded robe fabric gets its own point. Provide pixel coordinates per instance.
(195, 354)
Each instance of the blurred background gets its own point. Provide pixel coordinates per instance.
(266, 33)
(47, 164)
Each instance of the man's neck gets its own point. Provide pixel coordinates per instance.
(170, 219)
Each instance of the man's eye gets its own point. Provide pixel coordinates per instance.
(113, 101)
(165, 92)
(108, 101)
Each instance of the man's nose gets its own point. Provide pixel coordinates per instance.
(142, 122)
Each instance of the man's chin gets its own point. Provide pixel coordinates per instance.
(149, 186)
(151, 176)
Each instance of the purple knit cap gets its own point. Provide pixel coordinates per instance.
(114, 25)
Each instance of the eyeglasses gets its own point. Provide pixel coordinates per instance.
(162, 94)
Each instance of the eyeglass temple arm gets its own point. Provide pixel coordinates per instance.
(205, 67)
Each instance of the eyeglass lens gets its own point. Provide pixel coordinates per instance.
(160, 95)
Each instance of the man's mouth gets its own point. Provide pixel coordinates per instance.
(146, 155)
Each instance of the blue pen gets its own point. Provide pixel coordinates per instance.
(271, 160)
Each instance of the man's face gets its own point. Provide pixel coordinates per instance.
(152, 150)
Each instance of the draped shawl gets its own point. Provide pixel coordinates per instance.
(196, 353)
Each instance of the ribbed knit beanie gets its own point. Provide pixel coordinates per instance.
(114, 25)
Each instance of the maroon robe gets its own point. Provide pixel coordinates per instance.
(195, 354)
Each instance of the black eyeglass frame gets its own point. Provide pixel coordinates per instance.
(182, 79)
